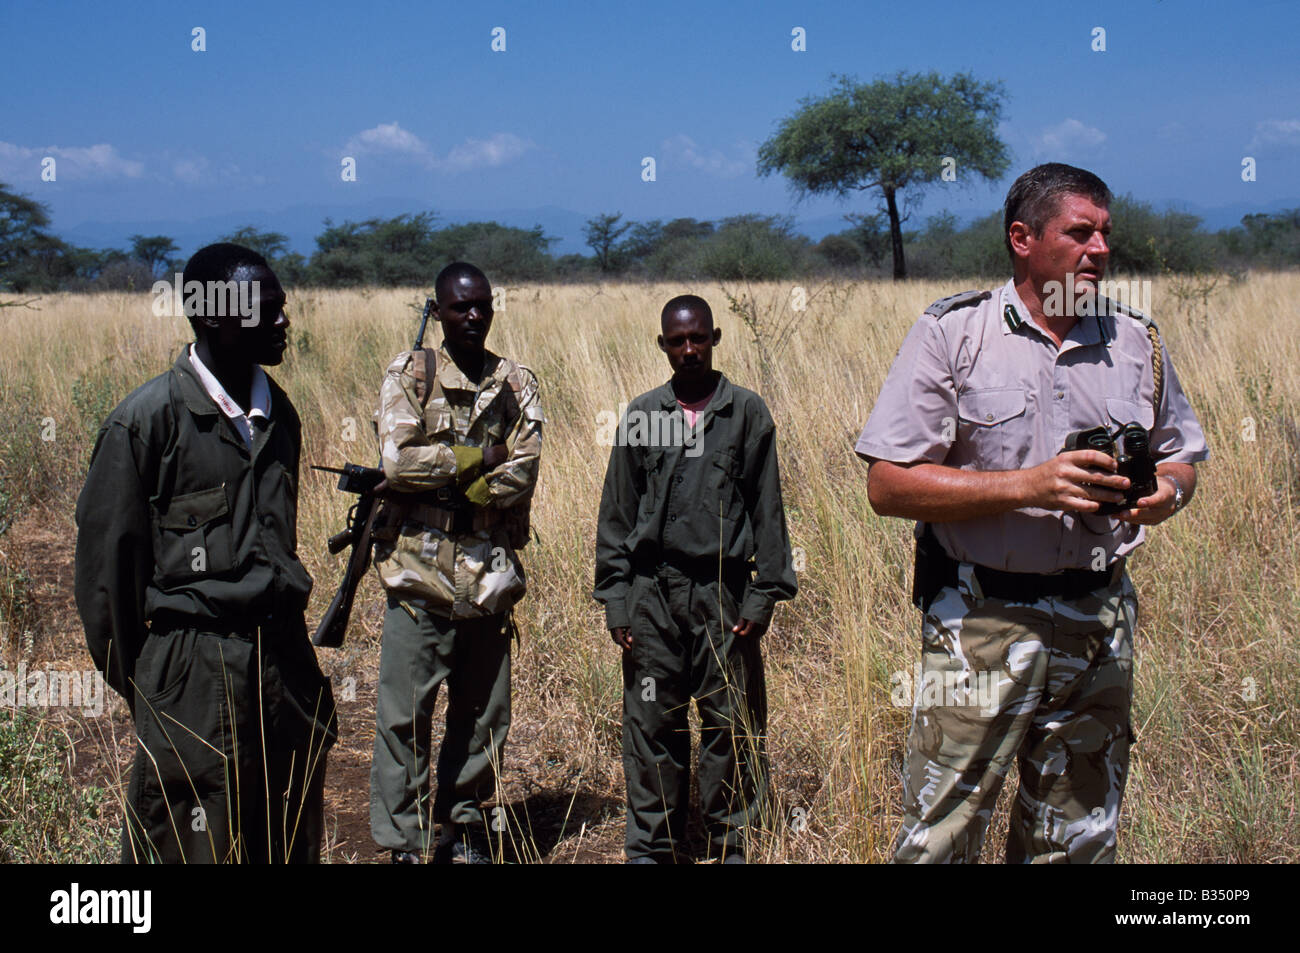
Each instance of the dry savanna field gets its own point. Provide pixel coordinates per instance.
(1216, 768)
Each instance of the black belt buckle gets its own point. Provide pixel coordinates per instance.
(452, 498)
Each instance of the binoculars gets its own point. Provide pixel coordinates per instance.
(1130, 445)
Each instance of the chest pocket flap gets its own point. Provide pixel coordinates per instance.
(1122, 411)
(651, 460)
(194, 536)
(990, 406)
(437, 421)
(192, 510)
(727, 460)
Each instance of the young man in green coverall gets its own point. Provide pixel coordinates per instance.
(691, 557)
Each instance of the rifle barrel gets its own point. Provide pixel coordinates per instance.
(424, 322)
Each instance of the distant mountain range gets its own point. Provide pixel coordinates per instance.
(302, 223)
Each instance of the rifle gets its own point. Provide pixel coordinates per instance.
(424, 322)
(369, 485)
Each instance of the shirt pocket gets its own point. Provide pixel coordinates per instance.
(493, 423)
(437, 424)
(723, 496)
(494, 431)
(653, 466)
(496, 576)
(1124, 411)
(194, 537)
(418, 562)
(993, 422)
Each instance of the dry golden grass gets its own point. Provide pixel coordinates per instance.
(1215, 771)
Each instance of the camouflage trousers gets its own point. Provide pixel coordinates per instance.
(1047, 682)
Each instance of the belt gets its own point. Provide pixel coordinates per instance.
(450, 521)
(236, 627)
(701, 569)
(1028, 586)
(1066, 584)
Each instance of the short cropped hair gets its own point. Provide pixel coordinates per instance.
(684, 303)
(217, 263)
(454, 272)
(1035, 197)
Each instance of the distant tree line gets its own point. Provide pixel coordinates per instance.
(409, 249)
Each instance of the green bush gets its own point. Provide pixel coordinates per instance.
(45, 817)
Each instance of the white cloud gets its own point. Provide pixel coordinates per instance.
(100, 161)
(388, 137)
(497, 150)
(713, 161)
(190, 171)
(1067, 138)
(1275, 132)
(391, 139)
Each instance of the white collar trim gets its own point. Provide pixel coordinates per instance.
(259, 391)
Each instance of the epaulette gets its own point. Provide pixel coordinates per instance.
(962, 299)
(524, 372)
(1111, 306)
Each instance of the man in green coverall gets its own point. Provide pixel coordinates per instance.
(691, 557)
(191, 592)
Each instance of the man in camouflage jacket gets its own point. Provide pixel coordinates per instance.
(460, 440)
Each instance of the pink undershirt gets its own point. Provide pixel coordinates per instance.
(692, 411)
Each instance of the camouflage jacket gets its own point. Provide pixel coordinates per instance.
(456, 566)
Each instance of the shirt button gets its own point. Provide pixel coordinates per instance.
(988, 417)
(1060, 395)
(672, 518)
(268, 520)
(192, 521)
(679, 480)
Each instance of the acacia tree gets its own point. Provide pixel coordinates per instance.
(889, 135)
(602, 232)
(270, 245)
(154, 250)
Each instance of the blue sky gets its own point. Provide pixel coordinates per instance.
(145, 131)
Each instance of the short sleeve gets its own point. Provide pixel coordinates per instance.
(915, 414)
(1177, 436)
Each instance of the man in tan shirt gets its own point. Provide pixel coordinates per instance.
(1029, 613)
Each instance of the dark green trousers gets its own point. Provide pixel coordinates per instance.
(683, 649)
(421, 651)
(233, 731)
